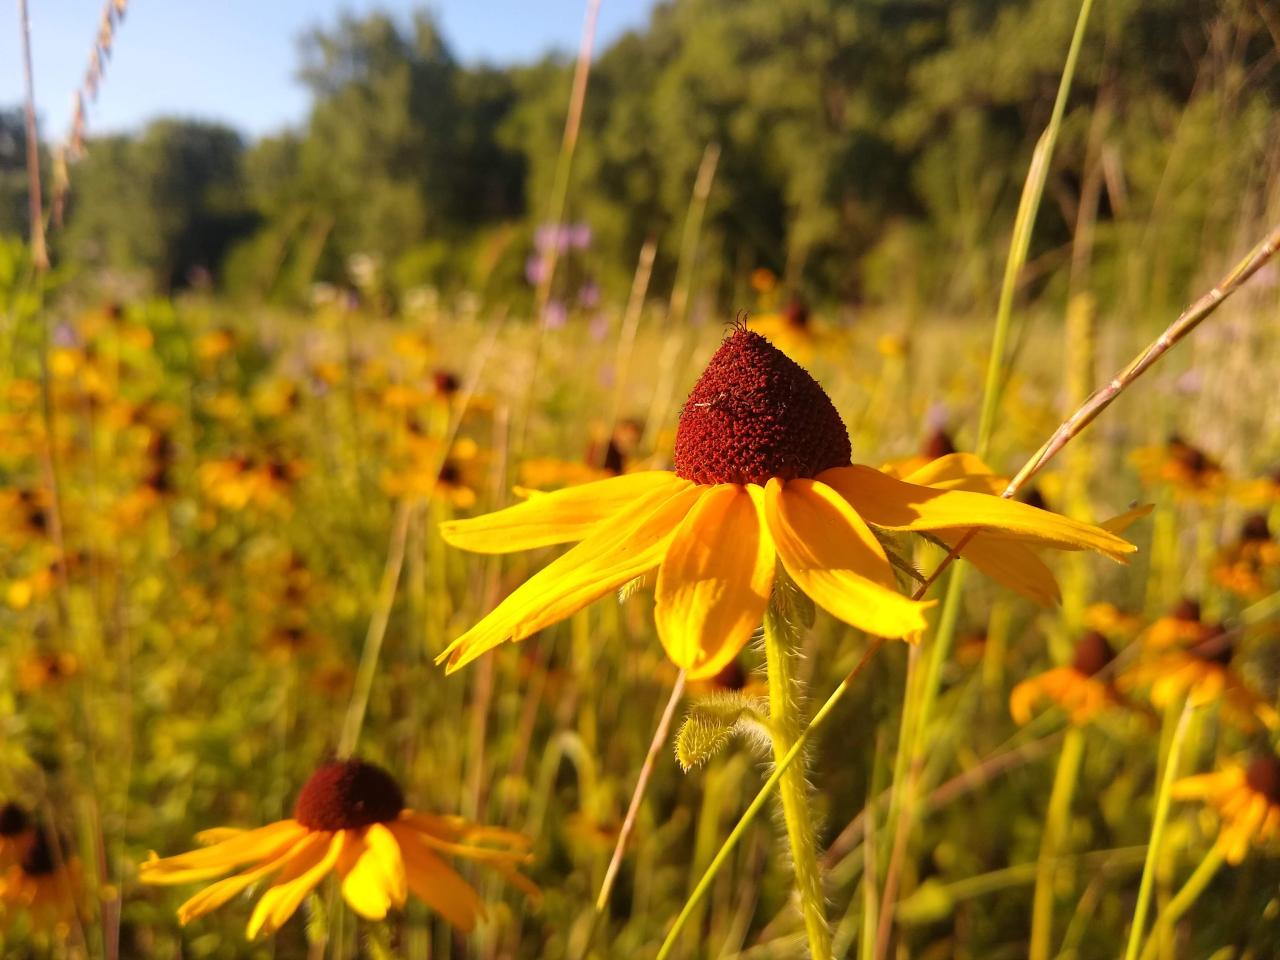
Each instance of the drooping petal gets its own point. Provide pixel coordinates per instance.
(713, 584)
(631, 543)
(454, 828)
(958, 471)
(222, 857)
(372, 876)
(1009, 562)
(896, 505)
(562, 516)
(215, 895)
(836, 560)
(434, 882)
(1122, 522)
(305, 870)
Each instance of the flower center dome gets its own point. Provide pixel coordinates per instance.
(347, 795)
(755, 414)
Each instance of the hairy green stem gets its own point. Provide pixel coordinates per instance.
(785, 723)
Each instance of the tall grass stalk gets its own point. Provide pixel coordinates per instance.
(917, 715)
(633, 809)
(556, 206)
(1163, 797)
(367, 670)
(1184, 900)
(1055, 829)
(690, 238)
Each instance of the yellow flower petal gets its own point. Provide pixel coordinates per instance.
(629, 544)
(224, 856)
(1009, 562)
(958, 471)
(713, 585)
(366, 885)
(896, 505)
(836, 560)
(434, 882)
(561, 516)
(305, 870)
(217, 894)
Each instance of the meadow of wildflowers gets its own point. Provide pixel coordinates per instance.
(429, 627)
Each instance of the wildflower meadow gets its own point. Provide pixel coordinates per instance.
(795, 479)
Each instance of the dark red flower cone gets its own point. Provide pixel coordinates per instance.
(755, 414)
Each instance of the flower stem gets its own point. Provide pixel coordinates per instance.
(1163, 796)
(784, 721)
(1064, 783)
(1185, 898)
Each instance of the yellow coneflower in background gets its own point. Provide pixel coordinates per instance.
(1246, 799)
(1181, 627)
(1189, 471)
(1201, 675)
(37, 671)
(1250, 567)
(763, 473)
(350, 819)
(1075, 688)
(38, 885)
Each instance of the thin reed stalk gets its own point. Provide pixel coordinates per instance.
(1163, 798)
(637, 797)
(556, 206)
(1055, 829)
(1184, 900)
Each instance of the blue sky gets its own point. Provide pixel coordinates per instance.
(234, 60)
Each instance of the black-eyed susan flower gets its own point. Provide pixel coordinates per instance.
(1250, 566)
(1075, 688)
(1246, 799)
(1201, 675)
(42, 886)
(1181, 627)
(350, 820)
(1189, 471)
(763, 473)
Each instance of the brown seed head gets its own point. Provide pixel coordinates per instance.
(755, 414)
(1263, 775)
(13, 820)
(937, 445)
(1092, 653)
(346, 795)
(38, 860)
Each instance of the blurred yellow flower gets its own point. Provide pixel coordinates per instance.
(1250, 567)
(1188, 470)
(350, 819)
(43, 887)
(1201, 675)
(1246, 799)
(1076, 688)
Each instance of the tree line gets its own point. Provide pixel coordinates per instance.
(869, 151)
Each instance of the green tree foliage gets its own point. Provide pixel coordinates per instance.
(867, 149)
(169, 202)
(14, 220)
